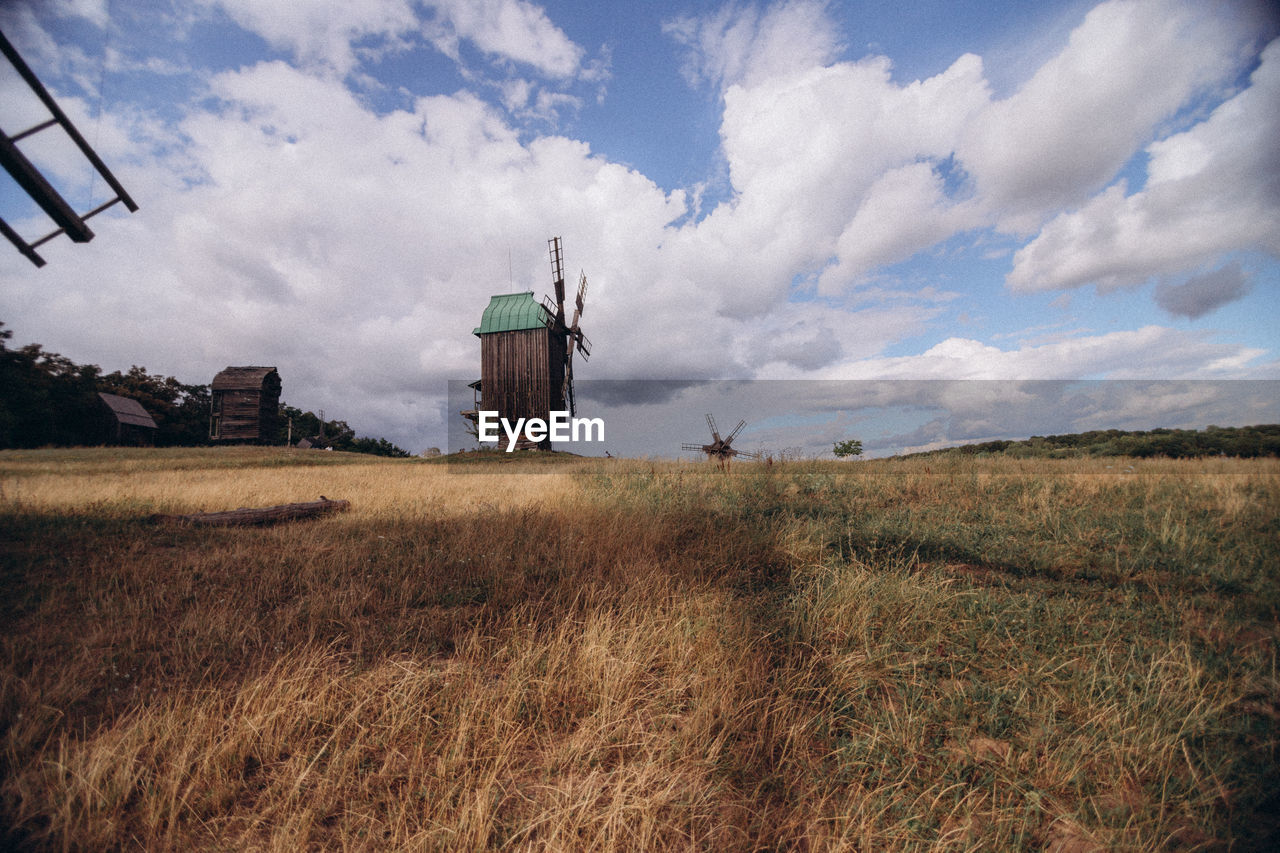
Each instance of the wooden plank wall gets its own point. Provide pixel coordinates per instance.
(515, 375)
(269, 408)
(245, 410)
(556, 347)
(240, 417)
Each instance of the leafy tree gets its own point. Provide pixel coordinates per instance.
(848, 447)
(337, 434)
(1244, 442)
(376, 446)
(49, 400)
(45, 398)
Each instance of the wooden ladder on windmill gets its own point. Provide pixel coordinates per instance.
(34, 183)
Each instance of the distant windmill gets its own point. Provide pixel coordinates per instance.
(526, 351)
(721, 449)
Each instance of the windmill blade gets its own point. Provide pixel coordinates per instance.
(566, 389)
(711, 423)
(688, 446)
(548, 312)
(580, 340)
(735, 432)
(557, 275)
(745, 454)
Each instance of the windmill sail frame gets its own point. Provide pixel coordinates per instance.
(35, 184)
(722, 449)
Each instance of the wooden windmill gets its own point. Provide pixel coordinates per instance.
(245, 405)
(721, 449)
(526, 351)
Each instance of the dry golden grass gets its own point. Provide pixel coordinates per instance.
(973, 655)
(376, 489)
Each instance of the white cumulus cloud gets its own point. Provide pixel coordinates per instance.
(1211, 189)
(287, 221)
(515, 30)
(1130, 65)
(743, 44)
(322, 33)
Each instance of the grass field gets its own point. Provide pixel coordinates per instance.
(604, 654)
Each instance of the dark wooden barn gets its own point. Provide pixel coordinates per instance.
(246, 405)
(125, 421)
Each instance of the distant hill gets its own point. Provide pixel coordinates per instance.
(1245, 442)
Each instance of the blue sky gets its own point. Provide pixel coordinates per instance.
(788, 190)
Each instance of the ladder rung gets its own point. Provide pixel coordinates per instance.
(29, 131)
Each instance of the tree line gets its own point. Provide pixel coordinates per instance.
(1245, 442)
(296, 424)
(47, 400)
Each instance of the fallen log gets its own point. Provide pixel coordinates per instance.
(263, 515)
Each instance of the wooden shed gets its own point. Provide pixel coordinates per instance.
(246, 405)
(125, 421)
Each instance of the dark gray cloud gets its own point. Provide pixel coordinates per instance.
(632, 392)
(655, 418)
(1202, 294)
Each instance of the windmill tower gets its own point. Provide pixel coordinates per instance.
(526, 351)
(721, 449)
(245, 405)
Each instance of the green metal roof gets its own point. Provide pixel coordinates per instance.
(509, 312)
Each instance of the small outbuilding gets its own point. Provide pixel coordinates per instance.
(245, 405)
(125, 421)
